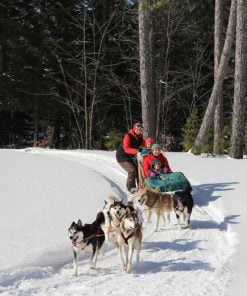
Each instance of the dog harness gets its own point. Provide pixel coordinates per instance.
(136, 231)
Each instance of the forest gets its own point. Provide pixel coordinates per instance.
(70, 75)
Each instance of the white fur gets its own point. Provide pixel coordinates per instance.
(112, 218)
(129, 238)
(185, 216)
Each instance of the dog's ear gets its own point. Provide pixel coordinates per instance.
(73, 224)
(105, 204)
(127, 211)
(79, 222)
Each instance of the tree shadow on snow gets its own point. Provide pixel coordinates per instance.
(196, 224)
(116, 188)
(203, 194)
(179, 264)
(178, 245)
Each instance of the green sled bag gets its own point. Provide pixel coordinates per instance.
(168, 182)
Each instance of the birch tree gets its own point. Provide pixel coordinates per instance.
(219, 79)
(146, 68)
(240, 86)
(218, 45)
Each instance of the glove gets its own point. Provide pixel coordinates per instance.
(140, 149)
(166, 171)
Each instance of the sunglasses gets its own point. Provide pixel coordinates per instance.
(139, 126)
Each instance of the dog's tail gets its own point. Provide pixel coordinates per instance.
(112, 198)
(100, 218)
(188, 189)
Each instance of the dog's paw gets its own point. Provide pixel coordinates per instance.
(92, 266)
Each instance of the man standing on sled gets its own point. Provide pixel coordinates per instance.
(126, 154)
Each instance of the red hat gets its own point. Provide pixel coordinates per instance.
(149, 140)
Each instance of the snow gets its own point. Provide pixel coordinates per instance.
(43, 191)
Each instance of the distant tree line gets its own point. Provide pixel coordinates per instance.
(70, 70)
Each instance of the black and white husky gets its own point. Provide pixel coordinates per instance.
(87, 238)
(183, 204)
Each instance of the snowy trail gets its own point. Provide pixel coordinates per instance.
(192, 261)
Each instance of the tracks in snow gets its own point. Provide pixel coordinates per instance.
(194, 259)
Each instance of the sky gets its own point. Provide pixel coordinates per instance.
(43, 191)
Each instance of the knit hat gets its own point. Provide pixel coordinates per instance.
(149, 140)
(155, 162)
(156, 146)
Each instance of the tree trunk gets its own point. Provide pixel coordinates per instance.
(238, 122)
(36, 129)
(206, 123)
(218, 45)
(146, 69)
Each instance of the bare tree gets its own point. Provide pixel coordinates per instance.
(168, 28)
(218, 45)
(146, 68)
(208, 117)
(180, 74)
(240, 87)
(82, 96)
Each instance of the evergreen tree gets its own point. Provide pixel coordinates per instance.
(190, 130)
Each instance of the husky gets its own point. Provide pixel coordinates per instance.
(113, 211)
(129, 237)
(107, 227)
(158, 202)
(183, 204)
(116, 212)
(87, 238)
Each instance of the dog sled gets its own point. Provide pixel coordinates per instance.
(170, 182)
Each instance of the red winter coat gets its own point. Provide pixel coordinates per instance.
(129, 146)
(147, 163)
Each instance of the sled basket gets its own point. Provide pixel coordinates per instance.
(169, 182)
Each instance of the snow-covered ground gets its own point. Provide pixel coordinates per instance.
(43, 191)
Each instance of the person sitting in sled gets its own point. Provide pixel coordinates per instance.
(155, 155)
(148, 144)
(155, 169)
(143, 151)
(126, 154)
